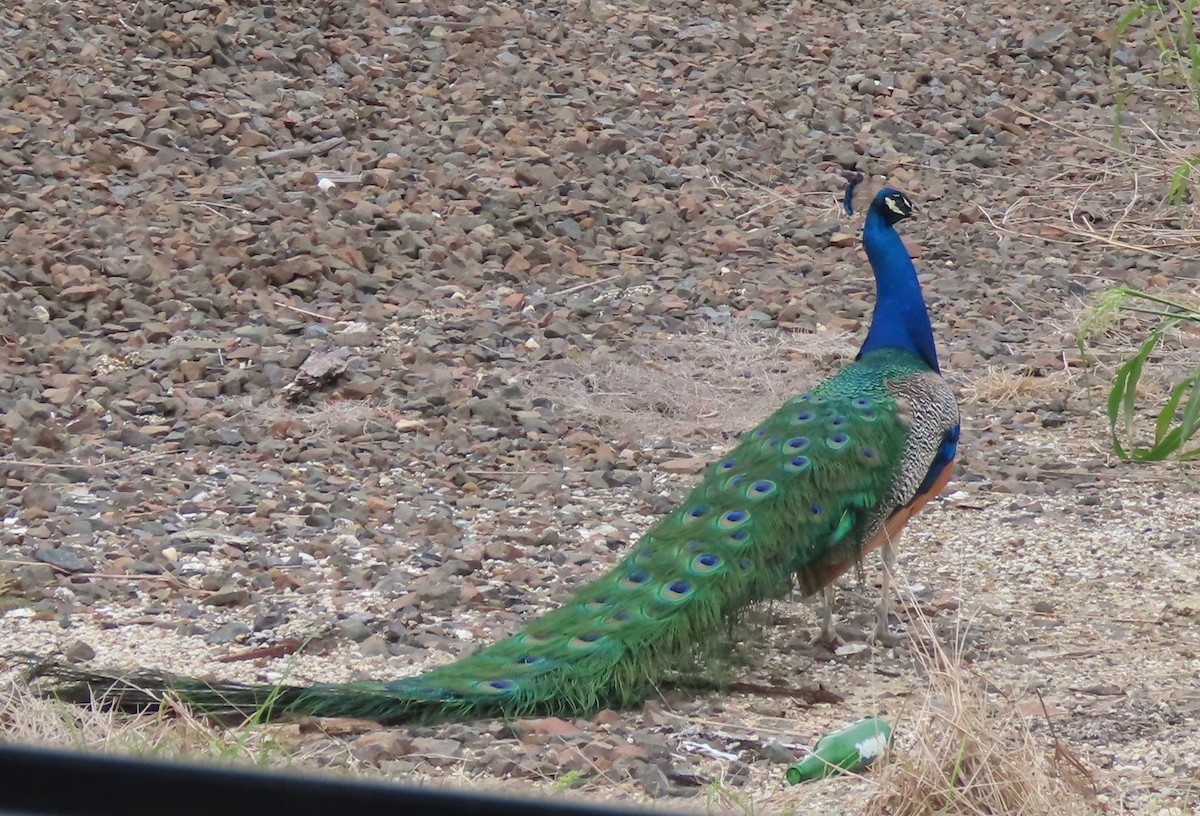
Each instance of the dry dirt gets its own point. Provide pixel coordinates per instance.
(565, 251)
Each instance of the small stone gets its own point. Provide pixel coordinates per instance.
(652, 779)
(354, 334)
(228, 633)
(228, 436)
(373, 646)
(547, 727)
(228, 596)
(62, 558)
(355, 629)
(438, 752)
(689, 466)
(379, 745)
(777, 753)
(77, 651)
(607, 717)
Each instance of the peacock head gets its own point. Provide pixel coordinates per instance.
(893, 205)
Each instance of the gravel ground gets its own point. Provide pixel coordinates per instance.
(334, 321)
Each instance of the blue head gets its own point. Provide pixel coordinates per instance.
(891, 205)
(901, 320)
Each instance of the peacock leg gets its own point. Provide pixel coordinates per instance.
(828, 636)
(883, 610)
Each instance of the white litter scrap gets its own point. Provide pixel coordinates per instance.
(708, 750)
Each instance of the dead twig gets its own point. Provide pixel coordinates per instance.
(305, 312)
(581, 286)
(287, 647)
(302, 151)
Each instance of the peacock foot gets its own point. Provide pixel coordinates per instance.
(881, 634)
(827, 638)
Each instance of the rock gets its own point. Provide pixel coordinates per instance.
(355, 629)
(228, 633)
(546, 727)
(377, 746)
(778, 754)
(62, 558)
(373, 646)
(77, 651)
(228, 596)
(651, 778)
(688, 466)
(437, 752)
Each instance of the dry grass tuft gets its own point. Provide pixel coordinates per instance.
(175, 732)
(716, 381)
(998, 386)
(968, 751)
(1118, 205)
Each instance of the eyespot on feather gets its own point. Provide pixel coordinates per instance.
(675, 591)
(762, 489)
(617, 617)
(739, 538)
(585, 641)
(798, 464)
(732, 519)
(837, 441)
(497, 686)
(635, 579)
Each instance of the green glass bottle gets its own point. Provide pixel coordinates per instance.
(852, 748)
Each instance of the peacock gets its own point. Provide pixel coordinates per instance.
(832, 475)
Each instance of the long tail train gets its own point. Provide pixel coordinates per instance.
(828, 477)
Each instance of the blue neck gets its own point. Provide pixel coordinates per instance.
(901, 320)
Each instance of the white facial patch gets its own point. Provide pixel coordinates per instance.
(894, 206)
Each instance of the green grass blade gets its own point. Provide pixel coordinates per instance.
(1121, 396)
(1189, 423)
(1177, 190)
(1122, 399)
(1118, 137)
